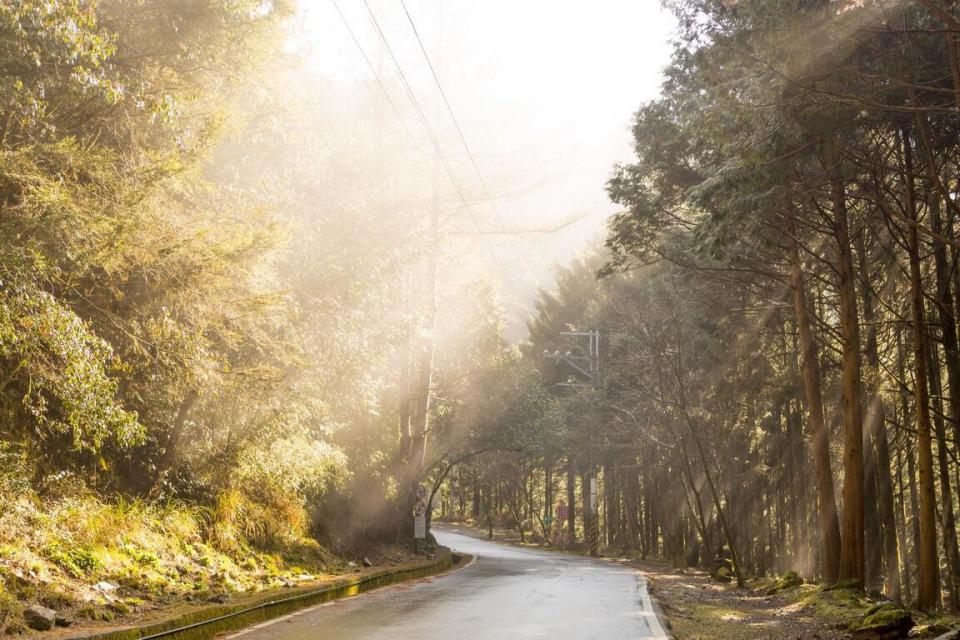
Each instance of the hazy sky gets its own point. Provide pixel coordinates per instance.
(543, 90)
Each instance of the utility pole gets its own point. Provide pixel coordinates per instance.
(429, 347)
(588, 366)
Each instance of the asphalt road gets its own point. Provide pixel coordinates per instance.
(507, 592)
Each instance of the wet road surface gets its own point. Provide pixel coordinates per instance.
(507, 592)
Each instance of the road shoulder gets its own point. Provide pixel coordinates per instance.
(699, 607)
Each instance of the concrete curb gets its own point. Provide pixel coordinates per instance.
(216, 619)
(656, 606)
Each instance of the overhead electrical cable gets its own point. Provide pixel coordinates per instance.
(463, 140)
(376, 76)
(442, 156)
(453, 117)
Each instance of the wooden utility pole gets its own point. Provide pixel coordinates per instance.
(588, 366)
(423, 401)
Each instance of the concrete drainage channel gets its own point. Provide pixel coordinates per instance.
(211, 621)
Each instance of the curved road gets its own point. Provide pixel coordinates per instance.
(507, 592)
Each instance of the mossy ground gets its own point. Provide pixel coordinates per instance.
(777, 608)
(699, 608)
(96, 561)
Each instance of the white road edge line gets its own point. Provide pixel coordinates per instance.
(649, 612)
(267, 623)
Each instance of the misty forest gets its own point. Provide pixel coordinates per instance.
(250, 316)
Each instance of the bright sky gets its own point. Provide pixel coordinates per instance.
(544, 91)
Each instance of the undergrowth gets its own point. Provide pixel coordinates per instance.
(95, 559)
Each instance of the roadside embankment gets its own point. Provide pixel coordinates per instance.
(82, 565)
(702, 608)
(201, 622)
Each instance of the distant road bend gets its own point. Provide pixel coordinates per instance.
(508, 592)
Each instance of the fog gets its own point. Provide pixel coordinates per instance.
(543, 93)
(284, 282)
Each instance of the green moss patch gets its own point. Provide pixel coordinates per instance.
(772, 586)
(849, 608)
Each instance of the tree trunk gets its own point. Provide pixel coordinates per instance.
(948, 338)
(852, 528)
(725, 527)
(927, 574)
(548, 496)
(586, 513)
(947, 521)
(175, 436)
(902, 528)
(886, 526)
(571, 503)
(631, 499)
(826, 499)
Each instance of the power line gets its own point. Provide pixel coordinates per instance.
(463, 138)
(453, 117)
(411, 95)
(373, 70)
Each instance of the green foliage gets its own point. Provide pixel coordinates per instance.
(78, 562)
(63, 366)
(295, 466)
(143, 557)
(777, 584)
(95, 613)
(163, 308)
(37, 38)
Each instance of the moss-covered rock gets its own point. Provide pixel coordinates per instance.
(845, 585)
(842, 608)
(882, 621)
(788, 580)
(866, 619)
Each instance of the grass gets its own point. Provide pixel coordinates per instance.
(55, 552)
(780, 607)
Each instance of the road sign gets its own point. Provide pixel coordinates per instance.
(420, 513)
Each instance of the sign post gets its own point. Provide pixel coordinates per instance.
(561, 522)
(419, 516)
(593, 533)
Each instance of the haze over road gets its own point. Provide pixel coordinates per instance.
(508, 592)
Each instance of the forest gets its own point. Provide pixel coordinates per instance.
(230, 355)
(779, 383)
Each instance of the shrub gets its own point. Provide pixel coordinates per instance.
(79, 562)
(10, 612)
